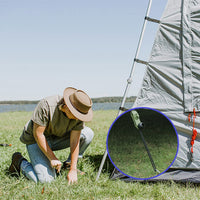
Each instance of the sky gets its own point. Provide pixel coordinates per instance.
(48, 45)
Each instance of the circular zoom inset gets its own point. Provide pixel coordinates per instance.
(142, 143)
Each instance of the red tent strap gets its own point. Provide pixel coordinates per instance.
(189, 117)
(194, 135)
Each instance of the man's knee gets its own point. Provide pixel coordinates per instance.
(44, 174)
(46, 179)
(87, 134)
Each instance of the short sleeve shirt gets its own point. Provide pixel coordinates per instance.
(48, 114)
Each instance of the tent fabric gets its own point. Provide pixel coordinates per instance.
(172, 80)
(173, 175)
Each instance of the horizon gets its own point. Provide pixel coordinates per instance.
(94, 98)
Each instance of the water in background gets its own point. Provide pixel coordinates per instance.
(31, 107)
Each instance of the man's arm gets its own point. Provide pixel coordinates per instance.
(74, 148)
(38, 133)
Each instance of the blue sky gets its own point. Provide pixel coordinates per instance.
(47, 45)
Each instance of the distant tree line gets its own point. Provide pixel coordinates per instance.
(95, 100)
(112, 99)
(19, 102)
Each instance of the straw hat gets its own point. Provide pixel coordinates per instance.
(79, 103)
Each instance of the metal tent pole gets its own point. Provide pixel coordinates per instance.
(129, 80)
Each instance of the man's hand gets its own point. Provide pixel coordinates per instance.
(72, 176)
(56, 164)
(74, 149)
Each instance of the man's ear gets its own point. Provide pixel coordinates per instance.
(64, 106)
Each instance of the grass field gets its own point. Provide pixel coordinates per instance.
(11, 125)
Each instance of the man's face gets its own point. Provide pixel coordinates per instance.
(66, 110)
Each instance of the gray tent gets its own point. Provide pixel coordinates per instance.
(172, 83)
(172, 80)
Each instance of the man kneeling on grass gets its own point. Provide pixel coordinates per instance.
(57, 123)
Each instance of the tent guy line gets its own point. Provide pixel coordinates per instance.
(139, 126)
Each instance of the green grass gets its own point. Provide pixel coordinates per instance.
(11, 125)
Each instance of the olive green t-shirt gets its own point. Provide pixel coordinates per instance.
(48, 114)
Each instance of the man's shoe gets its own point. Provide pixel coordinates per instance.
(14, 168)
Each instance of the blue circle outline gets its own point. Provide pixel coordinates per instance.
(157, 174)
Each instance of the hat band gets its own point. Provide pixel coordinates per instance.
(76, 107)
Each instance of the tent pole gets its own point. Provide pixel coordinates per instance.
(129, 80)
(102, 164)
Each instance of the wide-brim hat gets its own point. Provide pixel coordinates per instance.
(79, 103)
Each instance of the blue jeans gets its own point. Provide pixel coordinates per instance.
(39, 169)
